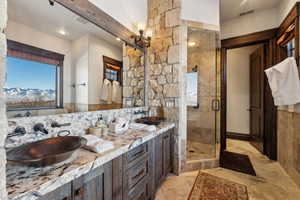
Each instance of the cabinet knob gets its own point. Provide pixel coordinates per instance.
(79, 192)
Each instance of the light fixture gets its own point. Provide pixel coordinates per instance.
(141, 26)
(142, 39)
(192, 43)
(62, 32)
(118, 39)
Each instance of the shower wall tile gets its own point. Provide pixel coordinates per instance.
(288, 129)
(201, 121)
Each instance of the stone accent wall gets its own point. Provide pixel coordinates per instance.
(133, 77)
(288, 138)
(3, 120)
(165, 66)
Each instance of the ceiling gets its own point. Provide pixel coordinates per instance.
(232, 8)
(38, 14)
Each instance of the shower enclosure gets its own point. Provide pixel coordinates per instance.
(203, 119)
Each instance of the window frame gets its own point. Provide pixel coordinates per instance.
(40, 54)
(107, 61)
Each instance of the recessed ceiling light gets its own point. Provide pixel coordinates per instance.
(62, 32)
(243, 2)
(192, 44)
(118, 39)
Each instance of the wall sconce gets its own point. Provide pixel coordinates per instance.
(144, 38)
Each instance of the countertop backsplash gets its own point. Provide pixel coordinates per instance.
(80, 122)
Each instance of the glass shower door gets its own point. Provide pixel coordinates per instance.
(203, 119)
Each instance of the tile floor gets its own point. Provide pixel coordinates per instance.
(271, 182)
(198, 150)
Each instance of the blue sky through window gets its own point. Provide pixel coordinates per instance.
(29, 74)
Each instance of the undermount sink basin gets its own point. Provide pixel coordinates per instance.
(46, 152)
(150, 120)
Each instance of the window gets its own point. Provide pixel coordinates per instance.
(33, 78)
(112, 69)
(291, 48)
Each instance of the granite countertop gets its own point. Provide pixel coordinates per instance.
(28, 183)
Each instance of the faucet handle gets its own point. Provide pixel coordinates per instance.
(39, 127)
(19, 131)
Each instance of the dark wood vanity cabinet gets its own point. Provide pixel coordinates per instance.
(134, 175)
(62, 193)
(96, 185)
(162, 157)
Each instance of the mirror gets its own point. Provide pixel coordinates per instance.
(58, 62)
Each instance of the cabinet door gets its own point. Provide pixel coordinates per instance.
(159, 160)
(62, 193)
(162, 157)
(167, 153)
(96, 185)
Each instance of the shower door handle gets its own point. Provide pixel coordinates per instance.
(215, 104)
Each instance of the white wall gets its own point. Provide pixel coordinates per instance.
(238, 89)
(127, 12)
(204, 11)
(284, 8)
(97, 49)
(80, 63)
(27, 35)
(254, 22)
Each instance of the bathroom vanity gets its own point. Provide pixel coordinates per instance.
(133, 170)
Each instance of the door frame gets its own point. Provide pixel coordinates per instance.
(267, 37)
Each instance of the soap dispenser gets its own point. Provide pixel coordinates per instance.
(101, 123)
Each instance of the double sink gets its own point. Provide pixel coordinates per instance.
(54, 150)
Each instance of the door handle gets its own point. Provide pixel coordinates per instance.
(215, 104)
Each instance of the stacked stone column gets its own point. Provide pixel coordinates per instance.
(164, 64)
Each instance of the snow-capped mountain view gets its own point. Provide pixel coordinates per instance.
(30, 84)
(15, 95)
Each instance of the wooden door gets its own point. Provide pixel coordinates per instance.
(257, 65)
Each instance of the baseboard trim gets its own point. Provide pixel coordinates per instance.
(238, 136)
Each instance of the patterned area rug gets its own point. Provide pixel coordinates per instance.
(208, 187)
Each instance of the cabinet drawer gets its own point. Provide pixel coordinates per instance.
(140, 192)
(135, 174)
(136, 154)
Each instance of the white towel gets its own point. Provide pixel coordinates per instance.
(97, 145)
(119, 126)
(3, 14)
(284, 82)
(106, 93)
(3, 45)
(142, 127)
(116, 92)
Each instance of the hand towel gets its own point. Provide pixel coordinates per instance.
(106, 93)
(284, 82)
(116, 92)
(3, 14)
(3, 45)
(97, 145)
(142, 127)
